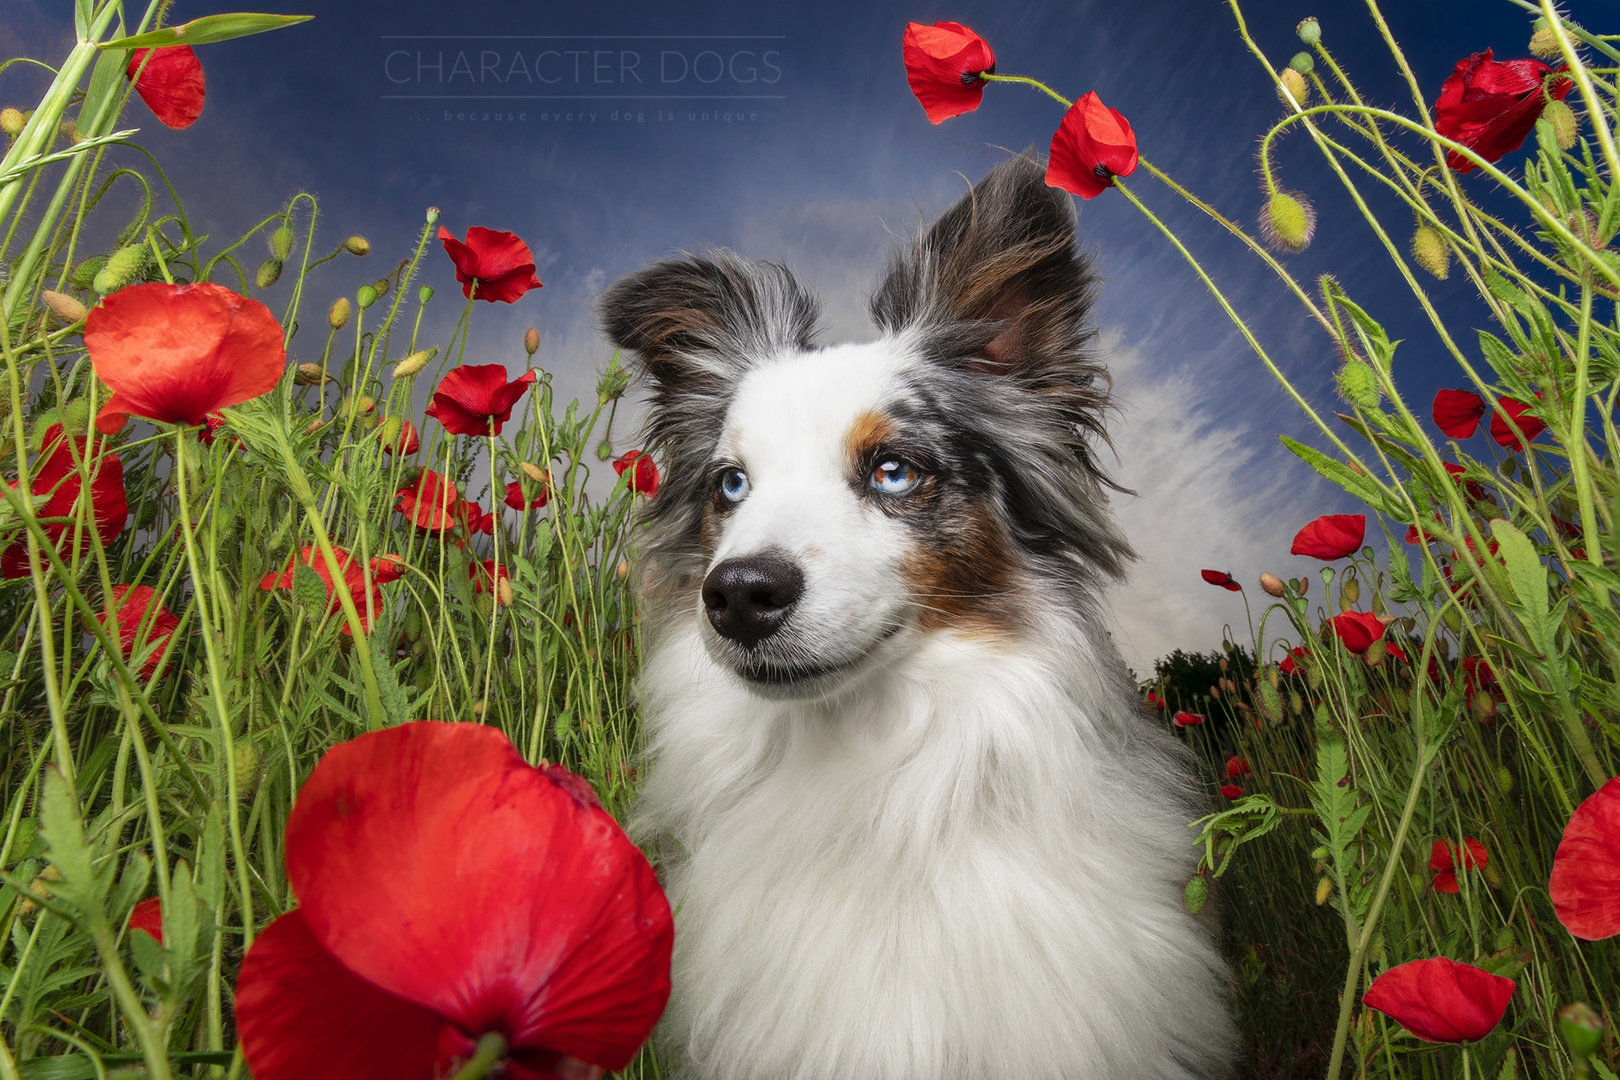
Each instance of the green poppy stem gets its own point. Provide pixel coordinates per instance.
(491, 1049)
(1027, 81)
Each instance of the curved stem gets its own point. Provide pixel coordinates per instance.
(1027, 81)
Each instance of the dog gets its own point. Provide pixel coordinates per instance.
(914, 820)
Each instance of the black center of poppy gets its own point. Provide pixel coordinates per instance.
(1102, 172)
(971, 77)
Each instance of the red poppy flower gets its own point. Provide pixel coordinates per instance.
(430, 502)
(1585, 883)
(517, 501)
(1415, 535)
(498, 262)
(1093, 145)
(1224, 580)
(139, 627)
(1491, 107)
(1187, 719)
(1231, 791)
(1457, 412)
(59, 478)
(645, 477)
(1237, 766)
(477, 521)
(1290, 664)
(1505, 435)
(409, 942)
(1332, 536)
(1441, 1000)
(171, 83)
(148, 916)
(943, 64)
(384, 568)
(479, 574)
(1358, 629)
(476, 399)
(407, 442)
(1154, 701)
(1397, 652)
(1473, 488)
(1444, 857)
(176, 353)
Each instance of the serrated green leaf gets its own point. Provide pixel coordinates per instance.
(207, 30)
(131, 884)
(393, 698)
(1528, 577)
(1341, 474)
(80, 884)
(210, 874)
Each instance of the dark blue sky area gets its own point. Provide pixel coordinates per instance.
(621, 132)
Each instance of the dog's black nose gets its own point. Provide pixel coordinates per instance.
(747, 600)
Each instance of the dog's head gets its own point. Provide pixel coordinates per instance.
(823, 507)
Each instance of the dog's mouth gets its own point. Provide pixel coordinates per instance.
(771, 673)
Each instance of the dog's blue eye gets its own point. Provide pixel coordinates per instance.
(734, 485)
(894, 478)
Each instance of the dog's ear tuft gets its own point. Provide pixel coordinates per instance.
(697, 320)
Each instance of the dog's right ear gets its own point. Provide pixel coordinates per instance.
(700, 322)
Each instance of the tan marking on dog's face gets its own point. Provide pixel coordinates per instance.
(865, 437)
(963, 579)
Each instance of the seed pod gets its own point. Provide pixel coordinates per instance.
(424, 293)
(1358, 385)
(1429, 250)
(1324, 889)
(1483, 707)
(413, 363)
(366, 296)
(268, 274)
(381, 285)
(1195, 895)
(432, 214)
(1309, 30)
(1272, 585)
(1565, 126)
(1302, 63)
(357, 245)
(281, 241)
(1504, 784)
(122, 267)
(337, 316)
(1288, 222)
(65, 307)
(12, 122)
(1293, 85)
(1295, 702)
(1350, 588)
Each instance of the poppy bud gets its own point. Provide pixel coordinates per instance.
(424, 293)
(1375, 653)
(357, 245)
(366, 296)
(503, 591)
(532, 471)
(1321, 853)
(623, 570)
(1358, 385)
(120, 269)
(1272, 585)
(76, 417)
(1270, 702)
(413, 623)
(1430, 250)
(1324, 889)
(1302, 63)
(1224, 664)
(337, 316)
(381, 285)
(432, 214)
(1562, 118)
(1544, 43)
(1288, 222)
(1215, 692)
(1504, 784)
(1297, 87)
(309, 590)
(268, 274)
(604, 450)
(12, 122)
(84, 274)
(413, 363)
(65, 307)
(388, 432)
(69, 130)
(1483, 707)
(531, 341)
(309, 375)
(1195, 895)
(247, 768)
(1350, 589)
(1309, 30)
(1581, 1029)
(281, 241)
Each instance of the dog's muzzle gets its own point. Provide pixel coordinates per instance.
(747, 600)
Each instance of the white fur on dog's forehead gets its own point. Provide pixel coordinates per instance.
(809, 400)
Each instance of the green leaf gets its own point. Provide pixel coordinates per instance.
(207, 30)
(1355, 483)
(66, 1067)
(80, 885)
(1528, 577)
(393, 698)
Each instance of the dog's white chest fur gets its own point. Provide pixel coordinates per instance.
(950, 873)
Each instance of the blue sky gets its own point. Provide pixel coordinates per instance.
(788, 133)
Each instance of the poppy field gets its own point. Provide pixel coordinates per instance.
(295, 602)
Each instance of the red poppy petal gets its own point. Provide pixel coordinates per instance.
(171, 83)
(1332, 536)
(1440, 1000)
(550, 927)
(1358, 629)
(148, 916)
(1503, 434)
(1091, 146)
(1457, 412)
(1585, 883)
(302, 1015)
(942, 64)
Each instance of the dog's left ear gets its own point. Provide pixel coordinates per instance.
(998, 284)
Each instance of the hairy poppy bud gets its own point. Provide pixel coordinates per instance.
(1288, 222)
(12, 122)
(532, 471)
(1544, 43)
(1562, 118)
(309, 590)
(337, 316)
(1309, 30)
(1270, 702)
(1375, 653)
(1358, 384)
(1350, 590)
(381, 285)
(1297, 87)
(281, 241)
(503, 591)
(1302, 63)
(1196, 894)
(1581, 1029)
(84, 274)
(309, 375)
(65, 307)
(1272, 585)
(1430, 250)
(531, 341)
(269, 273)
(623, 570)
(121, 268)
(413, 363)
(604, 450)
(1504, 784)
(76, 417)
(1324, 889)
(424, 294)
(366, 296)
(69, 130)
(1483, 707)
(357, 245)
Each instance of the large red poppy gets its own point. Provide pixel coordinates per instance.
(1290, 663)
(498, 262)
(384, 568)
(1332, 536)
(1585, 884)
(644, 477)
(1358, 629)
(430, 502)
(1457, 412)
(59, 478)
(1491, 106)
(171, 83)
(448, 890)
(139, 626)
(943, 65)
(1440, 1000)
(1505, 435)
(1444, 857)
(1222, 579)
(176, 353)
(1093, 145)
(1187, 719)
(476, 399)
